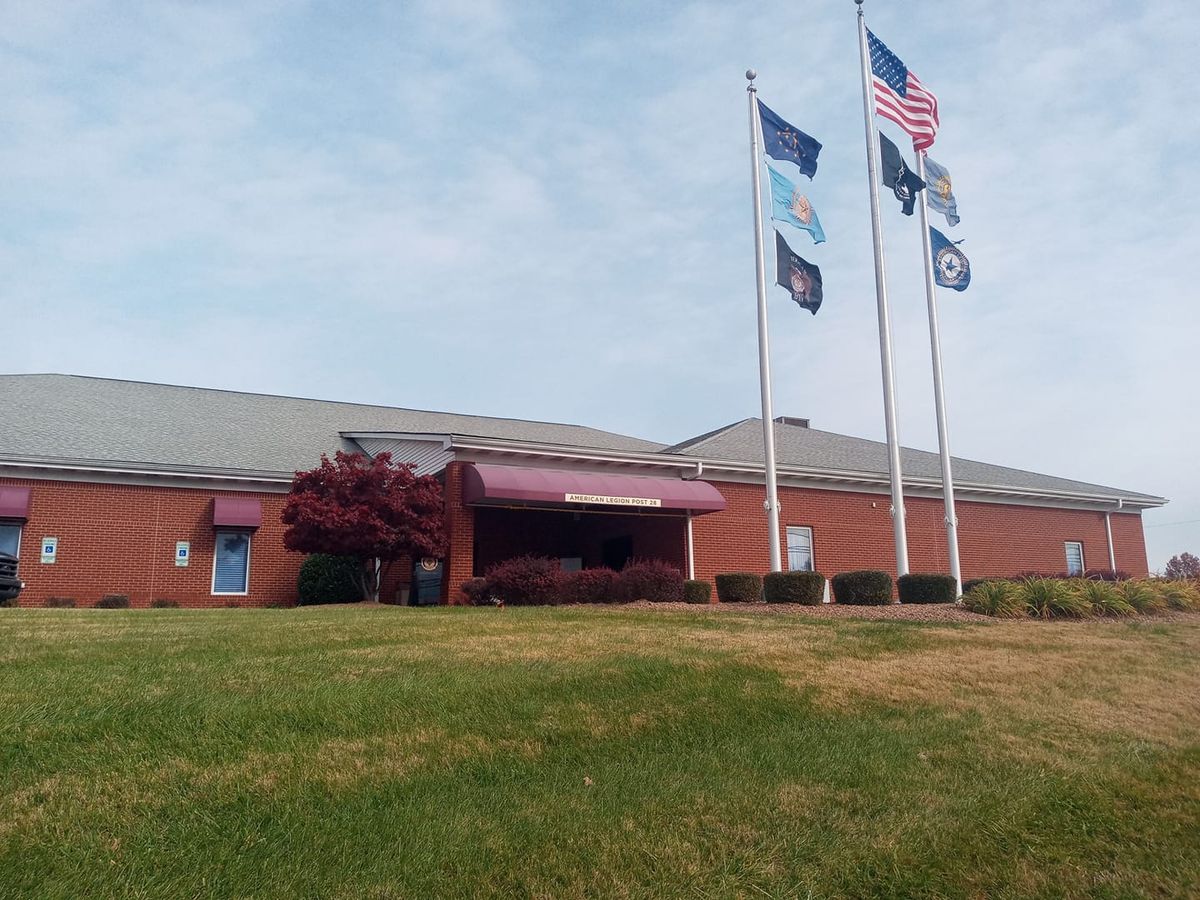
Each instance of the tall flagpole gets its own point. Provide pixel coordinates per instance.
(939, 395)
(764, 352)
(885, 319)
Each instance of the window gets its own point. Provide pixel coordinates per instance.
(10, 538)
(800, 548)
(1074, 558)
(231, 563)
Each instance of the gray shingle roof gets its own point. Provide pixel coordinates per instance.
(811, 448)
(100, 419)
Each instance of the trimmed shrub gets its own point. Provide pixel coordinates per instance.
(739, 587)
(1104, 598)
(59, 603)
(918, 588)
(1051, 598)
(1141, 596)
(232, 604)
(8, 602)
(995, 598)
(477, 591)
(864, 588)
(325, 578)
(650, 579)
(590, 586)
(526, 581)
(164, 604)
(113, 601)
(807, 588)
(697, 591)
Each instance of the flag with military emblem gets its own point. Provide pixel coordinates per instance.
(950, 266)
(789, 204)
(939, 191)
(800, 277)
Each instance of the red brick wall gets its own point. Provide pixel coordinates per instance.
(120, 539)
(854, 531)
(460, 527)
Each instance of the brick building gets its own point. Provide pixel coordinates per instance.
(157, 491)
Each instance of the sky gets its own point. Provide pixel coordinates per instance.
(543, 210)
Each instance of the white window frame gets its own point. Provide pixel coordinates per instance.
(249, 552)
(20, 526)
(1082, 560)
(812, 547)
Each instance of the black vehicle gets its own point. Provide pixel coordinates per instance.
(10, 584)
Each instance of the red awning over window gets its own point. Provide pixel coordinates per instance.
(485, 484)
(14, 503)
(237, 512)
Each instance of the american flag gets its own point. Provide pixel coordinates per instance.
(900, 96)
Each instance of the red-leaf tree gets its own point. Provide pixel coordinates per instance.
(367, 509)
(1185, 565)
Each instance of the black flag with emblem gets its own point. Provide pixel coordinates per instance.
(800, 277)
(896, 175)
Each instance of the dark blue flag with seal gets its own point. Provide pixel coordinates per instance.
(950, 266)
(799, 276)
(787, 142)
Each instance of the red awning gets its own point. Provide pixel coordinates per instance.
(573, 490)
(237, 512)
(14, 503)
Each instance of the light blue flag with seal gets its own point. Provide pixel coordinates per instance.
(790, 205)
(939, 191)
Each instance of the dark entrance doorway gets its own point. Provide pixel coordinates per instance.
(616, 552)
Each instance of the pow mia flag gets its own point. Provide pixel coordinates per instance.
(896, 175)
(801, 278)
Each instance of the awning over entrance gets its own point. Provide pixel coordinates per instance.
(486, 484)
(237, 512)
(14, 503)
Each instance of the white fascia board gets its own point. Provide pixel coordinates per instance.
(444, 439)
(147, 477)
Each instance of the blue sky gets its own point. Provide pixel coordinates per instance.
(543, 211)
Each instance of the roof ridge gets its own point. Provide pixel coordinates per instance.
(436, 412)
(701, 438)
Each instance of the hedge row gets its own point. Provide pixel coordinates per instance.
(540, 581)
(1077, 598)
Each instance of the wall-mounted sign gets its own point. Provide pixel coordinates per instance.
(49, 549)
(612, 501)
(429, 563)
(183, 550)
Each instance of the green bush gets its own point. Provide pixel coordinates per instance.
(864, 588)
(325, 578)
(113, 601)
(1052, 598)
(59, 603)
(697, 591)
(918, 588)
(1141, 596)
(995, 598)
(1103, 597)
(739, 587)
(164, 604)
(806, 588)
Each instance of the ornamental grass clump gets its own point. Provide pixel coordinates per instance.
(1141, 596)
(995, 598)
(1103, 597)
(1052, 598)
(1178, 594)
(806, 588)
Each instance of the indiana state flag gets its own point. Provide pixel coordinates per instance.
(788, 204)
(939, 191)
(950, 267)
(787, 142)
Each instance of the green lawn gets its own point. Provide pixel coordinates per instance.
(381, 752)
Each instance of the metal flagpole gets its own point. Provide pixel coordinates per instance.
(764, 352)
(939, 395)
(885, 320)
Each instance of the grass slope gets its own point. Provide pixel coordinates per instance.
(593, 752)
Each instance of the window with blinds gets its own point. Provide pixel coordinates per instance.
(799, 548)
(231, 563)
(10, 539)
(1074, 558)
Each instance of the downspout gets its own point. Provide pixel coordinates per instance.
(691, 550)
(1112, 555)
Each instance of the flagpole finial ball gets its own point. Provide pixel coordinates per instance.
(751, 74)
